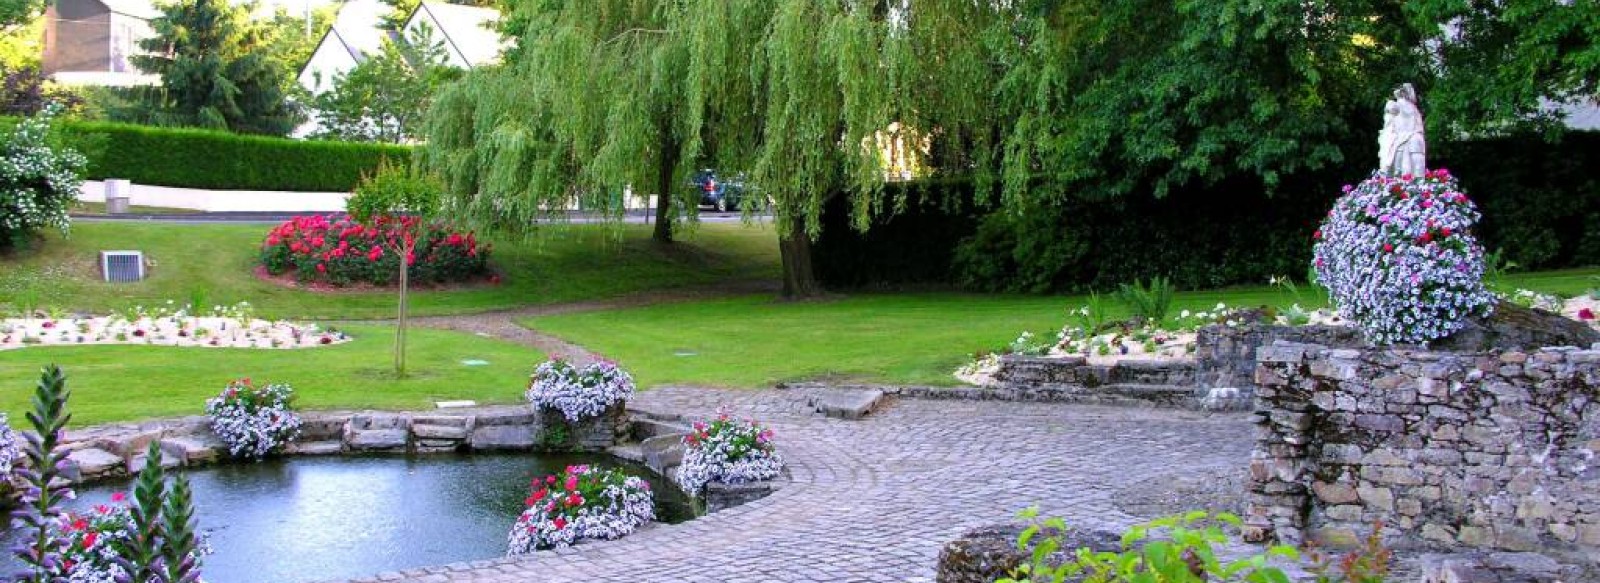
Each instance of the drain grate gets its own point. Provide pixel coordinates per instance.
(117, 266)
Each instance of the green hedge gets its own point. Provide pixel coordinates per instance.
(1540, 201)
(192, 158)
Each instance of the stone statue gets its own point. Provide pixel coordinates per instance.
(1401, 146)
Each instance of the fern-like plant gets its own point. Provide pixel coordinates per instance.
(1148, 303)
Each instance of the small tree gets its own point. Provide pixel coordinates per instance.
(394, 200)
(215, 72)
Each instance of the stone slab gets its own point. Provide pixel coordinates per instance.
(504, 437)
(315, 448)
(847, 403)
(194, 449)
(439, 432)
(377, 439)
(92, 463)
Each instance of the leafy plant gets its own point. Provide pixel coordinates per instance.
(140, 555)
(1149, 303)
(42, 496)
(1093, 315)
(386, 201)
(1174, 549)
(1368, 563)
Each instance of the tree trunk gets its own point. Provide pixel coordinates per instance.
(664, 188)
(799, 282)
(400, 323)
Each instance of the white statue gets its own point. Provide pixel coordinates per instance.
(1401, 147)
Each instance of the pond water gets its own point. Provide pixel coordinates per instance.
(319, 518)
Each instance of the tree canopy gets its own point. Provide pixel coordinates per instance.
(1028, 100)
(385, 97)
(214, 71)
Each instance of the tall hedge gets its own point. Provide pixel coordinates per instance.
(193, 158)
(1540, 202)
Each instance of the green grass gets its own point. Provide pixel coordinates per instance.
(890, 338)
(565, 263)
(121, 383)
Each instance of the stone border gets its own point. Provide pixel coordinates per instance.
(115, 451)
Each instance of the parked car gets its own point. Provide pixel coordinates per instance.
(717, 193)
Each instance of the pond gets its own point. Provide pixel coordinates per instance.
(320, 518)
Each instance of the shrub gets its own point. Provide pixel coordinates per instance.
(39, 181)
(254, 421)
(728, 451)
(340, 252)
(584, 502)
(196, 158)
(578, 392)
(1399, 259)
(93, 543)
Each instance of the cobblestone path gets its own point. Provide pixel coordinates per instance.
(875, 499)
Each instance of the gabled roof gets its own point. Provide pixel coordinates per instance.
(468, 31)
(136, 8)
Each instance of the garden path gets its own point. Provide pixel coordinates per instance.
(875, 499)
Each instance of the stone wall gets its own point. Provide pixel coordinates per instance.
(1225, 356)
(1492, 451)
(119, 450)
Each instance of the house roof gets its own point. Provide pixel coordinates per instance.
(135, 8)
(468, 30)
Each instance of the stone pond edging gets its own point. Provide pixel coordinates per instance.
(118, 450)
(1488, 451)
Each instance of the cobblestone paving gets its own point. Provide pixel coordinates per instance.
(874, 500)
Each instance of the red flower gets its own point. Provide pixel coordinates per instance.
(1445, 232)
(1586, 314)
(1425, 238)
(118, 497)
(322, 268)
(1317, 234)
(572, 482)
(559, 522)
(327, 340)
(549, 479)
(88, 539)
(1388, 248)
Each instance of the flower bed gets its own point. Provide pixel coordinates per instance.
(578, 392)
(1399, 259)
(340, 252)
(224, 327)
(582, 503)
(254, 421)
(91, 542)
(727, 451)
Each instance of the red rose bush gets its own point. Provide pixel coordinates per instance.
(582, 503)
(339, 251)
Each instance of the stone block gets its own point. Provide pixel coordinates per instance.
(492, 437)
(315, 448)
(1374, 497)
(168, 461)
(1335, 493)
(440, 432)
(92, 463)
(375, 440)
(195, 449)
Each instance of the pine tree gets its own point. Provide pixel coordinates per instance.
(214, 72)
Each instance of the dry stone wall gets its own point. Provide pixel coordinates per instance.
(1494, 451)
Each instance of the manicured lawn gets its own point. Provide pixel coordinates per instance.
(893, 338)
(564, 263)
(120, 383)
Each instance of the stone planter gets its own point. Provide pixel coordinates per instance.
(590, 434)
(1489, 450)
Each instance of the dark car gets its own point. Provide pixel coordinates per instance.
(717, 193)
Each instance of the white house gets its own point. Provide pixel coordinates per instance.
(467, 32)
(356, 33)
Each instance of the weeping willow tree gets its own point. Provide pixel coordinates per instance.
(1023, 102)
(596, 94)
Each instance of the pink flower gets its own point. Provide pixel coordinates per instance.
(1586, 314)
(118, 497)
(572, 482)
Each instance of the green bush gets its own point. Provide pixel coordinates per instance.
(193, 158)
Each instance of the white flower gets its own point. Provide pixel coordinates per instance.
(579, 392)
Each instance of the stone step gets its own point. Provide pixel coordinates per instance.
(631, 452)
(1160, 395)
(847, 403)
(645, 427)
